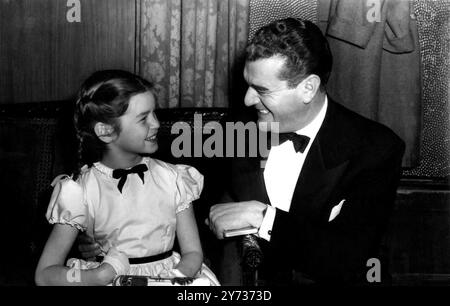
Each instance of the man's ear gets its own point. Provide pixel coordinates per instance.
(308, 88)
(105, 132)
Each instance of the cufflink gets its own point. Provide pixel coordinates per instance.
(269, 232)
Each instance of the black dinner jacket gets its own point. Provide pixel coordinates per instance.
(352, 158)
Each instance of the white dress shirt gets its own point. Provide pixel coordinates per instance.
(282, 170)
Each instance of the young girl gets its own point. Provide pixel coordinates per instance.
(130, 204)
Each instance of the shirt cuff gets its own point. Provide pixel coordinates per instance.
(265, 230)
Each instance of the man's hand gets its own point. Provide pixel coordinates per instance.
(235, 215)
(88, 247)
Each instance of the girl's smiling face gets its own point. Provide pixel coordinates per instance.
(138, 127)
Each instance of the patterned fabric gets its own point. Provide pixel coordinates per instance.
(188, 48)
(433, 18)
(263, 12)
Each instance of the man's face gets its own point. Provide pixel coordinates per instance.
(272, 97)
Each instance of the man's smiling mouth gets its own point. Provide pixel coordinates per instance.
(263, 111)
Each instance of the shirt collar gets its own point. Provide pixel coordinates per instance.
(108, 171)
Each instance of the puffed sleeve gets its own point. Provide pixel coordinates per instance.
(189, 186)
(67, 203)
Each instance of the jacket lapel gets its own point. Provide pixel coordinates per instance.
(315, 184)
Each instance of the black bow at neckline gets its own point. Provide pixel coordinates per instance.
(122, 174)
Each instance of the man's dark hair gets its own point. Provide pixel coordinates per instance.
(300, 42)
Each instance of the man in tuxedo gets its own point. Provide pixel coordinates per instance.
(323, 200)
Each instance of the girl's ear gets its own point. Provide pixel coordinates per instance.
(105, 132)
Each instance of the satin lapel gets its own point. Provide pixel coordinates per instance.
(315, 186)
(339, 138)
(309, 182)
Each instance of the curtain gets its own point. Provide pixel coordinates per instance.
(189, 49)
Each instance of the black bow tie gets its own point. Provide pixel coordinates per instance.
(123, 173)
(300, 141)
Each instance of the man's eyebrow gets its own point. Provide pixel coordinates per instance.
(143, 114)
(258, 88)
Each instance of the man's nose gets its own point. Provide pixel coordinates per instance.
(251, 98)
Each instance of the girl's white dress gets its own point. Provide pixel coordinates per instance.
(140, 221)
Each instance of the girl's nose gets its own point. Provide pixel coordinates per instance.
(251, 98)
(154, 122)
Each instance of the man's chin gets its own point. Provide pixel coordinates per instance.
(268, 126)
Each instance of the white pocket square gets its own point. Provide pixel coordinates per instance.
(335, 211)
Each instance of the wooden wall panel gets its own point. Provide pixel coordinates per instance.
(44, 57)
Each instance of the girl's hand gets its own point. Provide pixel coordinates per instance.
(114, 263)
(106, 273)
(172, 273)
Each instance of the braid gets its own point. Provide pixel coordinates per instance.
(88, 143)
(79, 112)
(79, 163)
